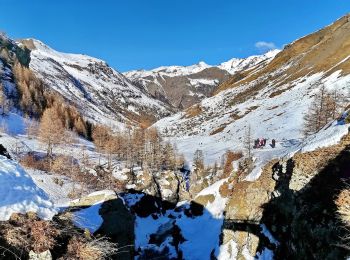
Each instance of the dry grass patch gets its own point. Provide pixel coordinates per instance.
(235, 116)
(230, 157)
(24, 233)
(343, 203)
(277, 93)
(218, 130)
(81, 249)
(34, 162)
(28, 232)
(193, 111)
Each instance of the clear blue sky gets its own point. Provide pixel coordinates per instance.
(132, 34)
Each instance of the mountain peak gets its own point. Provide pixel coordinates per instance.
(202, 64)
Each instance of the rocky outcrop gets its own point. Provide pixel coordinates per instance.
(246, 197)
(295, 198)
(118, 222)
(181, 91)
(168, 185)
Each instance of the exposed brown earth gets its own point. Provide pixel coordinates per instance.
(178, 90)
(323, 51)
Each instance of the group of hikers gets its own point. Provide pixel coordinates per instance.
(261, 142)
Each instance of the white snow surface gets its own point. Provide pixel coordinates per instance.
(202, 233)
(278, 117)
(228, 251)
(19, 193)
(89, 217)
(56, 187)
(268, 234)
(237, 64)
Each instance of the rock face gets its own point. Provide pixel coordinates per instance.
(94, 198)
(247, 197)
(167, 185)
(296, 199)
(181, 91)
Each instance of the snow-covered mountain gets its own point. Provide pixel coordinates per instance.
(101, 93)
(183, 86)
(271, 99)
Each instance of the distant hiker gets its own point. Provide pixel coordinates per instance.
(261, 142)
(264, 142)
(273, 143)
(256, 143)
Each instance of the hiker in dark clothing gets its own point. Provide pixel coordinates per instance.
(273, 143)
(256, 143)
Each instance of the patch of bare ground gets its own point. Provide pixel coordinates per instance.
(272, 108)
(218, 130)
(193, 111)
(323, 51)
(279, 92)
(236, 116)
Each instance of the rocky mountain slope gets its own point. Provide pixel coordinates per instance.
(101, 93)
(271, 99)
(183, 86)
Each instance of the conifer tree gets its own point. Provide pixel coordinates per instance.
(51, 130)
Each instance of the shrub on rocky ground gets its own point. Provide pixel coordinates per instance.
(25, 233)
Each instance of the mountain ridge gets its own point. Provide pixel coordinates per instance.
(103, 93)
(183, 86)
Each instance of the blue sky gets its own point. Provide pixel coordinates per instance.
(135, 34)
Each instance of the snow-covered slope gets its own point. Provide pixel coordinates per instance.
(271, 99)
(183, 86)
(102, 94)
(19, 194)
(170, 71)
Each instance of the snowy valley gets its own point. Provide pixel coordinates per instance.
(168, 163)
